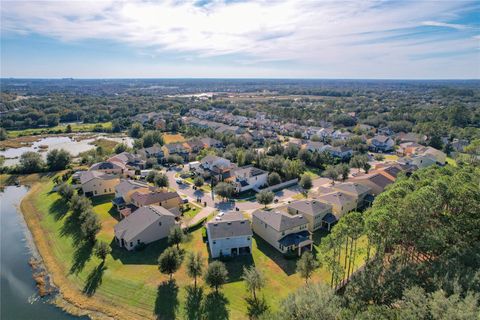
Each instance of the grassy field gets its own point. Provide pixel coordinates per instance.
(129, 285)
(76, 127)
(172, 138)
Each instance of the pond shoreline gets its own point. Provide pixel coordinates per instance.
(55, 295)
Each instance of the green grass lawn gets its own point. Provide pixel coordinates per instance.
(132, 278)
(76, 127)
(192, 211)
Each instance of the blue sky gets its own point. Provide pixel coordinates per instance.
(365, 39)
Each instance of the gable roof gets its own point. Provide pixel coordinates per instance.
(375, 178)
(134, 223)
(337, 198)
(90, 175)
(144, 199)
(107, 165)
(127, 185)
(352, 188)
(310, 207)
(231, 224)
(280, 221)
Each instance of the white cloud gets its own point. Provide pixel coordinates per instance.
(357, 34)
(444, 24)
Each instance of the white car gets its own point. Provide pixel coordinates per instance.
(179, 181)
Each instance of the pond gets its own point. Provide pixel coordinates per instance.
(73, 146)
(19, 298)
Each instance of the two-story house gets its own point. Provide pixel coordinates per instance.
(248, 178)
(97, 183)
(381, 143)
(317, 213)
(285, 232)
(229, 234)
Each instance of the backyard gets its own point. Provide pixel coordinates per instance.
(129, 283)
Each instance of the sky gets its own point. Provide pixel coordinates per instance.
(363, 39)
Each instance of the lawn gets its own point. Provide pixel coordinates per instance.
(192, 211)
(129, 284)
(172, 138)
(76, 127)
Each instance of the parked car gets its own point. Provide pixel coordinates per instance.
(179, 181)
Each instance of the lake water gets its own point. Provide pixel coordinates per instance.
(74, 147)
(19, 298)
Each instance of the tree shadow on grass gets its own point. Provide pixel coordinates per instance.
(215, 306)
(287, 265)
(71, 227)
(59, 209)
(166, 303)
(193, 303)
(235, 266)
(149, 255)
(94, 279)
(82, 254)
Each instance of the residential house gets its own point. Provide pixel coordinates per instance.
(216, 167)
(439, 156)
(145, 225)
(315, 146)
(381, 143)
(248, 178)
(419, 161)
(229, 234)
(285, 232)
(411, 137)
(193, 146)
(407, 148)
(342, 152)
(125, 189)
(175, 149)
(318, 214)
(341, 202)
(341, 135)
(361, 193)
(109, 167)
(166, 199)
(97, 183)
(129, 160)
(211, 143)
(154, 151)
(377, 182)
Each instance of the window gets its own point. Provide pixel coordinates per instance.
(265, 226)
(160, 223)
(95, 192)
(214, 242)
(131, 244)
(138, 241)
(283, 233)
(105, 190)
(248, 238)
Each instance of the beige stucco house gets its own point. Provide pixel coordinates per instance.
(313, 210)
(97, 183)
(341, 202)
(285, 232)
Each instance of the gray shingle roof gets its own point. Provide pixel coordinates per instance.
(310, 207)
(89, 175)
(139, 220)
(280, 221)
(353, 188)
(231, 224)
(144, 199)
(126, 185)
